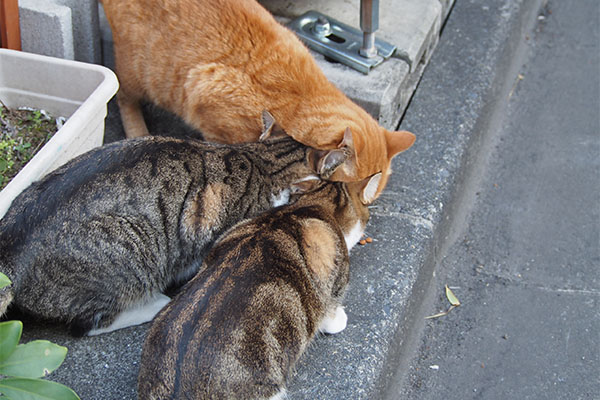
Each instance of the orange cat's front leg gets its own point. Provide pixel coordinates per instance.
(132, 117)
(221, 101)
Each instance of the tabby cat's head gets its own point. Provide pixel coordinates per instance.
(323, 163)
(347, 201)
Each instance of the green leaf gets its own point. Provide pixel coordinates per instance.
(4, 281)
(451, 297)
(35, 389)
(33, 360)
(10, 334)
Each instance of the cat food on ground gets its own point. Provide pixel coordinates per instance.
(365, 241)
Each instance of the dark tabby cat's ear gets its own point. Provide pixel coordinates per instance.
(368, 193)
(271, 128)
(326, 162)
(305, 185)
(339, 164)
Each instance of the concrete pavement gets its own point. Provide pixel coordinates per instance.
(525, 261)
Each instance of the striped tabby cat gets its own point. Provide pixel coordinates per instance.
(236, 330)
(95, 243)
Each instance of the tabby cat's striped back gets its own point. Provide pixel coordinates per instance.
(268, 286)
(110, 230)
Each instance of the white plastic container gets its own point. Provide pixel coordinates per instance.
(75, 90)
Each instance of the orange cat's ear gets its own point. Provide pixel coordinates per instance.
(398, 141)
(347, 140)
(305, 185)
(271, 128)
(368, 193)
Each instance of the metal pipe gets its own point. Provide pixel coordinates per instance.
(369, 23)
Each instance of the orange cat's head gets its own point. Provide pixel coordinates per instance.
(366, 155)
(360, 151)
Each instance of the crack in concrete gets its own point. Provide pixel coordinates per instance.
(521, 283)
(413, 219)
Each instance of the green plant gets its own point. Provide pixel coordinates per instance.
(22, 133)
(6, 161)
(22, 365)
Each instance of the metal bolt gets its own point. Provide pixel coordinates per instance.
(322, 27)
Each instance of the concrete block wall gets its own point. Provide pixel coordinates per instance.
(413, 26)
(61, 28)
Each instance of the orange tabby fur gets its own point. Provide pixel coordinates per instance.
(220, 63)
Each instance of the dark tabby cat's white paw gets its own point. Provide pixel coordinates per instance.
(137, 314)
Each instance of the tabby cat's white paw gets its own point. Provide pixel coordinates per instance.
(139, 313)
(334, 323)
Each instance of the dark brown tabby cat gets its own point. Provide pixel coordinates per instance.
(236, 330)
(95, 243)
(219, 63)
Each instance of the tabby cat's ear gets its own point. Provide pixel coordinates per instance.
(327, 162)
(398, 141)
(271, 128)
(368, 193)
(305, 185)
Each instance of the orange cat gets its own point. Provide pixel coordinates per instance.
(220, 63)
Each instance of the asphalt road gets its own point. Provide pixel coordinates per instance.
(525, 263)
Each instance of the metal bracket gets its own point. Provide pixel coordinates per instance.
(340, 42)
